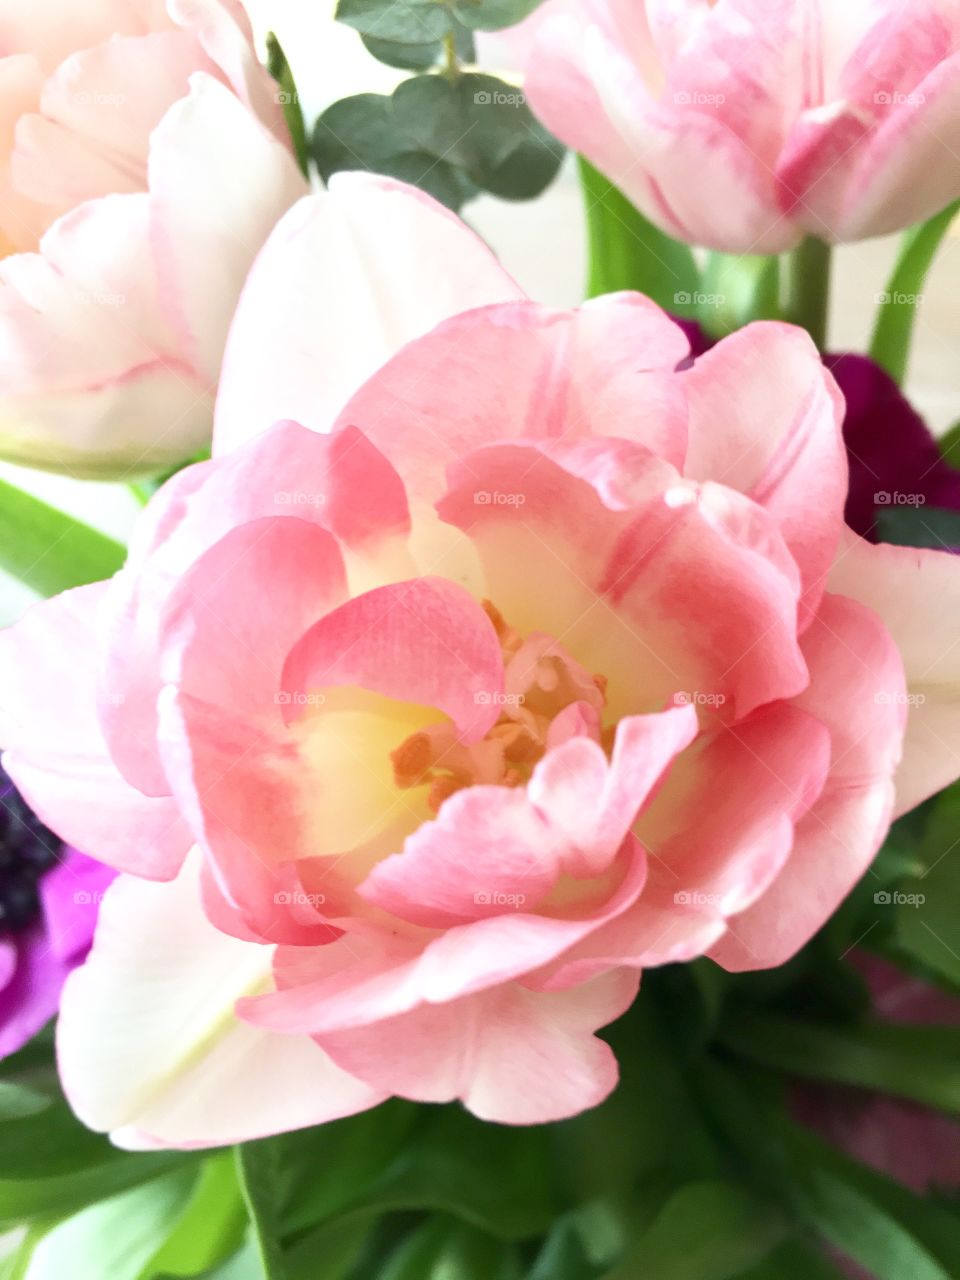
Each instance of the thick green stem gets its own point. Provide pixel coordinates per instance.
(808, 288)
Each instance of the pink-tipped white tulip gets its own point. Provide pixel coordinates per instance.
(745, 125)
(143, 162)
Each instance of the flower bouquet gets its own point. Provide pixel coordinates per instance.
(510, 761)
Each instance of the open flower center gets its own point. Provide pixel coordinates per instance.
(546, 698)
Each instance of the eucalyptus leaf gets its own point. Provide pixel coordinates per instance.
(403, 21)
(421, 57)
(362, 132)
(482, 126)
(406, 57)
(493, 15)
(49, 550)
(628, 252)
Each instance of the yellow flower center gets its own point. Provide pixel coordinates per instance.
(541, 681)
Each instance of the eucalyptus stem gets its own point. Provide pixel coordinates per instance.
(451, 59)
(808, 288)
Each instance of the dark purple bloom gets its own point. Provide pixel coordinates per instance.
(889, 447)
(49, 898)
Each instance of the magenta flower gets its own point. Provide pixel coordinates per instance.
(49, 896)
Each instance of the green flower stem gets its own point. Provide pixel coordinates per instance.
(898, 305)
(808, 288)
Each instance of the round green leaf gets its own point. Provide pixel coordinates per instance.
(404, 21)
(493, 15)
(362, 132)
(482, 126)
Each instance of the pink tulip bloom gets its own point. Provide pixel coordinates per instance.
(745, 125)
(143, 162)
(498, 653)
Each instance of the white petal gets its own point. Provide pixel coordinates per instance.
(917, 594)
(347, 278)
(149, 1045)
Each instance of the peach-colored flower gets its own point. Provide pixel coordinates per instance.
(745, 125)
(517, 655)
(143, 161)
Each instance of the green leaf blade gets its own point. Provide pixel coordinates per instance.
(629, 252)
(258, 1174)
(48, 550)
(903, 296)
